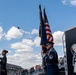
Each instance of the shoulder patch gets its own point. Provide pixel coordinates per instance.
(51, 56)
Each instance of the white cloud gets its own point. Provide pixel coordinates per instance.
(34, 31)
(14, 32)
(1, 33)
(70, 2)
(24, 32)
(28, 42)
(25, 60)
(1, 36)
(24, 46)
(37, 41)
(24, 51)
(1, 29)
(29, 49)
(19, 45)
(73, 2)
(64, 2)
(58, 37)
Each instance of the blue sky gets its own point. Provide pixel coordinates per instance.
(23, 44)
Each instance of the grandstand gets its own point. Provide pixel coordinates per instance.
(13, 69)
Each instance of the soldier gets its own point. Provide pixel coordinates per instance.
(3, 62)
(51, 60)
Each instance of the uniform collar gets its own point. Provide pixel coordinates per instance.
(50, 49)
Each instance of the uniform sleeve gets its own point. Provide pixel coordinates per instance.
(3, 60)
(51, 57)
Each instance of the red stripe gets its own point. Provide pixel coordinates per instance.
(48, 38)
(48, 30)
(48, 33)
(47, 25)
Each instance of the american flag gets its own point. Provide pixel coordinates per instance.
(47, 28)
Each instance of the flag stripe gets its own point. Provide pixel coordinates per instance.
(47, 28)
